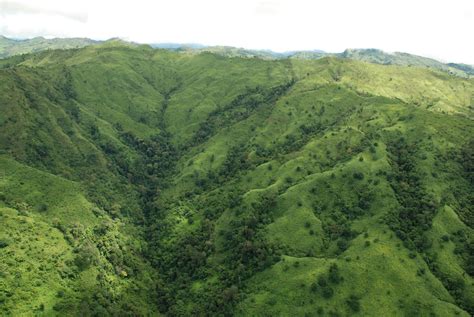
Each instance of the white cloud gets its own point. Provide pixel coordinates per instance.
(440, 29)
(267, 7)
(51, 8)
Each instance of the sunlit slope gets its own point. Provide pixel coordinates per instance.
(326, 156)
(260, 187)
(60, 253)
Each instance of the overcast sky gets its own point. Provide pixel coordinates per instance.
(439, 29)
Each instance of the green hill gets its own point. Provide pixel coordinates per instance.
(140, 181)
(10, 47)
(405, 59)
(374, 56)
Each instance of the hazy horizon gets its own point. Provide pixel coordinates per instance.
(201, 45)
(434, 29)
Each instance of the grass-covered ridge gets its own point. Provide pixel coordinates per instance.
(144, 181)
(11, 47)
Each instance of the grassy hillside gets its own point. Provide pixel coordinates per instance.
(10, 47)
(405, 59)
(374, 56)
(144, 181)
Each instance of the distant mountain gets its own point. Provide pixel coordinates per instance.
(374, 56)
(226, 51)
(177, 46)
(10, 47)
(230, 51)
(464, 67)
(316, 54)
(377, 56)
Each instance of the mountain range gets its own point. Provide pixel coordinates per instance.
(137, 181)
(9, 47)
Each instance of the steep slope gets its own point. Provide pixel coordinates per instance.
(195, 184)
(60, 253)
(308, 181)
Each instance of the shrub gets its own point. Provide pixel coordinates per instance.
(342, 244)
(334, 276)
(86, 255)
(4, 243)
(42, 207)
(322, 281)
(353, 303)
(328, 292)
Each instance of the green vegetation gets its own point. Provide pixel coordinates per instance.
(11, 47)
(137, 181)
